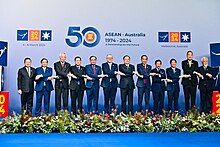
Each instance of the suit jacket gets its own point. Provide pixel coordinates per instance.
(94, 76)
(40, 83)
(190, 70)
(127, 80)
(146, 75)
(174, 76)
(157, 82)
(24, 82)
(62, 73)
(209, 82)
(80, 80)
(111, 75)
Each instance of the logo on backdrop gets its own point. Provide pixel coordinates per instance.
(34, 35)
(215, 54)
(89, 36)
(174, 37)
(3, 53)
(37, 36)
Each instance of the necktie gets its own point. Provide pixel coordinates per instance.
(173, 70)
(94, 69)
(29, 73)
(62, 64)
(110, 66)
(145, 81)
(190, 64)
(44, 72)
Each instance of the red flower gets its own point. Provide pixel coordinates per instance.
(88, 122)
(106, 115)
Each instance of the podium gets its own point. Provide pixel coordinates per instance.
(216, 102)
(4, 99)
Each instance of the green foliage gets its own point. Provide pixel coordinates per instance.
(65, 122)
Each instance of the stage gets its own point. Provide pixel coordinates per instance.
(112, 139)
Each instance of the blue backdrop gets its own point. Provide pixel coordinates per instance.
(161, 29)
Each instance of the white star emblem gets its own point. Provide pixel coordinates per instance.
(185, 37)
(46, 36)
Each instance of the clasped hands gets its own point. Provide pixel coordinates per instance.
(49, 78)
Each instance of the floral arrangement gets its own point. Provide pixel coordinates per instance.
(65, 122)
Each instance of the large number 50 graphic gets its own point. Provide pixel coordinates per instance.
(82, 36)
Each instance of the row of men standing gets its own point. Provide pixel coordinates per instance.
(108, 72)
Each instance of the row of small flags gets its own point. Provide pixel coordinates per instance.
(183, 37)
(34, 35)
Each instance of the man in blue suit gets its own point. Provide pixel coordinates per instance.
(143, 82)
(43, 86)
(109, 83)
(92, 84)
(173, 88)
(158, 86)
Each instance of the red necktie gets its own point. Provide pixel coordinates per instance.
(94, 70)
(145, 81)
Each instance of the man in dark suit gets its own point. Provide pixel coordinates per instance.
(189, 80)
(109, 83)
(77, 84)
(126, 84)
(206, 85)
(43, 86)
(143, 82)
(92, 84)
(25, 82)
(173, 88)
(158, 86)
(62, 82)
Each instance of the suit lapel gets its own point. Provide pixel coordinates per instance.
(26, 72)
(174, 72)
(92, 68)
(79, 70)
(64, 67)
(31, 72)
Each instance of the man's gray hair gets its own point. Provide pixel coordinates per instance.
(62, 54)
(204, 58)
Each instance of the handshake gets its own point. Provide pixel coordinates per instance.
(86, 76)
(49, 78)
(201, 76)
(151, 74)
